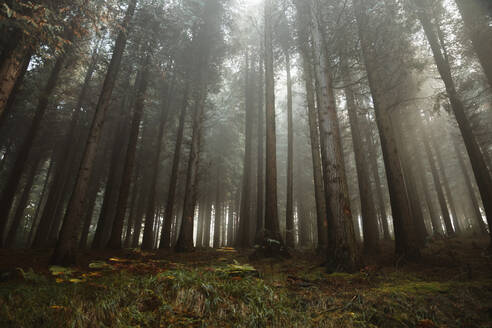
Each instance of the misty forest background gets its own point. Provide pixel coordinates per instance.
(353, 131)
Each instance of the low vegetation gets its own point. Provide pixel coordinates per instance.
(218, 288)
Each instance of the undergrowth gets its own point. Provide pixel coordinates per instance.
(224, 293)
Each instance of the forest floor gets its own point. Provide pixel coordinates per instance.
(450, 287)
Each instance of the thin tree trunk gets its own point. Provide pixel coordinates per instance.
(368, 210)
(445, 184)
(480, 170)
(321, 215)
(373, 162)
(208, 217)
(106, 215)
(289, 213)
(184, 242)
(218, 212)
(410, 180)
(477, 26)
(22, 203)
(39, 205)
(26, 146)
(129, 164)
(245, 218)
(260, 184)
(171, 193)
(67, 243)
(471, 192)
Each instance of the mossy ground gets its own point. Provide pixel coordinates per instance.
(450, 287)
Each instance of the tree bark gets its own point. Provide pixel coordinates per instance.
(66, 155)
(171, 193)
(26, 146)
(106, 215)
(478, 28)
(289, 213)
(11, 69)
(260, 183)
(480, 170)
(22, 203)
(405, 236)
(39, 205)
(373, 162)
(129, 164)
(218, 212)
(480, 225)
(343, 251)
(368, 210)
(272, 227)
(243, 240)
(303, 39)
(208, 217)
(67, 243)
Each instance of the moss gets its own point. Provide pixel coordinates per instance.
(416, 287)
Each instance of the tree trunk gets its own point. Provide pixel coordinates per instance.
(477, 26)
(22, 203)
(208, 217)
(343, 251)
(422, 173)
(480, 170)
(66, 156)
(218, 212)
(437, 184)
(26, 60)
(106, 215)
(373, 162)
(171, 193)
(26, 146)
(260, 183)
(272, 227)
(480, 225)
(89, 209)
(447, 190)
(404, 146)
(39, 205)
(67, 243)
(131, 149)
(368, 210)
(245, 218)
(405, 236)
(303, 39)
(199, 229)
(184, 242)
(11, 69)
(289, 213)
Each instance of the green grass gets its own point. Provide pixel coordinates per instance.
(136, 293)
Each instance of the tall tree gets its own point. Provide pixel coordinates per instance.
(368, 210)
(343, 251)
(480, 170)
(304, 48)
(272, 227)
(379, 83)
(478, 27)
(66, 245)
(21, 162)
(171, 193)
(131, 150)
(245, 214)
